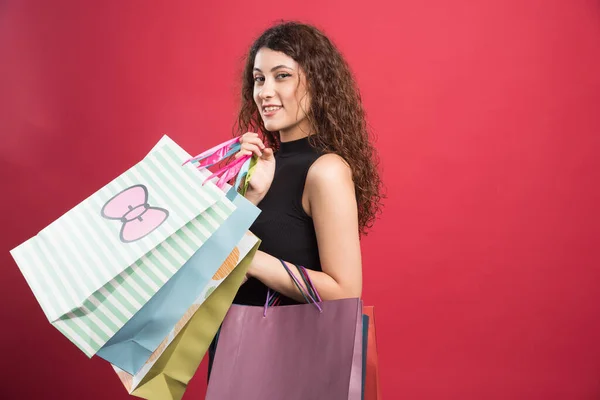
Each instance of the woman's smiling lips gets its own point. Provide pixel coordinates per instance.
(270, 109)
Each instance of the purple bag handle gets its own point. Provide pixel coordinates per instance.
(270, 296)
(310, 283)
(307, 296)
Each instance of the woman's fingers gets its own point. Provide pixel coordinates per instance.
(267, 154)
(253, 138)
(249, 134)
(252, 148)
(255, 141)
(242, 153)
(251, 144)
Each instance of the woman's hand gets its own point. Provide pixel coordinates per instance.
(265, 168)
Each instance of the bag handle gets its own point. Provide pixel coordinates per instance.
(309, 295)
(216, 153)
(245, 173)
(241, 167)
(228, 171)
(308, 282)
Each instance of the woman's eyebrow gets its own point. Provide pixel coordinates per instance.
(274, 68)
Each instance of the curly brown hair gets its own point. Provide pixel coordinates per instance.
(336, 113)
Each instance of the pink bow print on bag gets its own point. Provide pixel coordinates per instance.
(131, 208)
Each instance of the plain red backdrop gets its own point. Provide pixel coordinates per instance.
(484, 268)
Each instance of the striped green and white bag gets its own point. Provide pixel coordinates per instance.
(93, 268)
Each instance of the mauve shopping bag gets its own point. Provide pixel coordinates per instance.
(294, 353)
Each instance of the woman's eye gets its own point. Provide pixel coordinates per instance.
(283, 75)
(258, 79)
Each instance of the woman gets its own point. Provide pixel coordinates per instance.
(316, 180)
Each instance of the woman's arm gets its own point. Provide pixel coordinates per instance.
(330, 200)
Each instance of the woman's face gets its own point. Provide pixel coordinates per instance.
(280, 94)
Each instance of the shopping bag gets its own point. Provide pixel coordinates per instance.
(94, 267)
(370, 371)
(168, 371)
(372, 389)
(131, 347)
(365, 341)
(290, 352)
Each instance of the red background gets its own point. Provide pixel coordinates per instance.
(484, 268)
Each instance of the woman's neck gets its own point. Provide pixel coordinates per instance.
(295, 132)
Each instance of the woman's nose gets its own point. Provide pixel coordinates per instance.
(267, 90)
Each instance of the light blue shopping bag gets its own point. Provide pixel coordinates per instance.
(133, 344)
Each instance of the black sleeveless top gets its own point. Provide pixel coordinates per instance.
(286, 231)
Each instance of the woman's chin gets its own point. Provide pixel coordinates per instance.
(273, 127)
